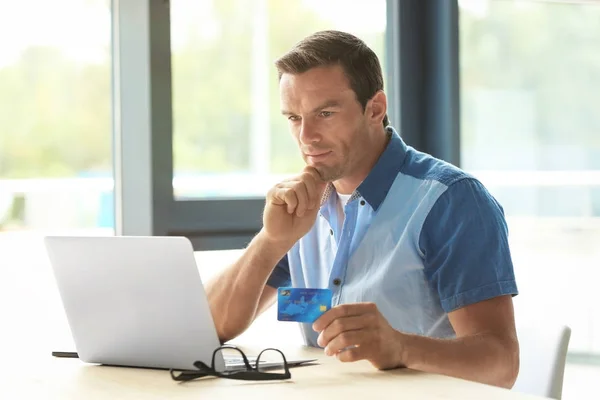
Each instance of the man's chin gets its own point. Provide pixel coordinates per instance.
(328, 174)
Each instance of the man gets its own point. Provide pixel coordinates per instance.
(414, 250)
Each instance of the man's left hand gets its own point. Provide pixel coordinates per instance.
(358, 331)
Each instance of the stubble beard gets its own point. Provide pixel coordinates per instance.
(330, 173)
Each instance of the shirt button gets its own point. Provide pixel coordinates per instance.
(331, 232)
(362, 202)
(337, 281)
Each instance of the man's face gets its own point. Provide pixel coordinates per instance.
(326, 120)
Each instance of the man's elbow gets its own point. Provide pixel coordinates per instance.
(508, 367)
(227, 332)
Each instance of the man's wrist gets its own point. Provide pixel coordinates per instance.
(404, 349)
(276, 247)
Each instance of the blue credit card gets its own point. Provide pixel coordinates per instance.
(302, 304)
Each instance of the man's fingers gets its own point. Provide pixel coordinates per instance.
(290, 198)
(275, 196)
(302, 196)
(321, 184)
(299, 193)
(341, 311)
(315, 187)
(307, 190)
(315, 174)
(343, 325)
(292, 194)
(352, 354)
(283, 196)
(347, 339)
(311, 190)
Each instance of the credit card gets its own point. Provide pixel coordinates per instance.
(302, 304)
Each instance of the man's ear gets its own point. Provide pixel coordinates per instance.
(377, 108)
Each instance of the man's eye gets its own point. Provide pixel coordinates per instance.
(293, 118)
(326, 114)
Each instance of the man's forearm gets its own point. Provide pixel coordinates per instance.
(486, 358)
(234, 295)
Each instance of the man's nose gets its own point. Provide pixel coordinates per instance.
(309, 132)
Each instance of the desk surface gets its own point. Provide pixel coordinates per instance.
(329, 379)
(34, 325)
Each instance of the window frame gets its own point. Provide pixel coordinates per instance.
(422, 68)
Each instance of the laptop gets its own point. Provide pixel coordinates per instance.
(139, 302)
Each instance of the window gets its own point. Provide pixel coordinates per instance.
(530, 89)
(229, 137)
(55, 122)
(56, 173)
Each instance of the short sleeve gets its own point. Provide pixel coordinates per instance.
(464, 241)
(280, 277)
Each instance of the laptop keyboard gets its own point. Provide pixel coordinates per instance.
(240, 360)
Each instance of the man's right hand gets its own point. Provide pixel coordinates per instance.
(292, 206)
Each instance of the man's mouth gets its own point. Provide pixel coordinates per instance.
(317, 156)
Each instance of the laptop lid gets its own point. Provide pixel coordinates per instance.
(134, 301)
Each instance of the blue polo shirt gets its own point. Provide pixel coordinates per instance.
(420, 238)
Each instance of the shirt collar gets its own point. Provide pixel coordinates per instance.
(377, 184)
(379, 181)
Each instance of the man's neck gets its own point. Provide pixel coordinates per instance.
(348, 185)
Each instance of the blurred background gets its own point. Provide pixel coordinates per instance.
(529, 83)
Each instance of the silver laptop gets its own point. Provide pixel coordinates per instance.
(137, 301)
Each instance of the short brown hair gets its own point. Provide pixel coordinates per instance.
(325, 48)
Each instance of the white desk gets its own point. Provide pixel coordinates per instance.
(68, 379)
(34, 325)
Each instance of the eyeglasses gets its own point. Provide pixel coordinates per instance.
(251, 373)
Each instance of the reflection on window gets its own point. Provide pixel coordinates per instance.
(55, 123)
(530, 89)
(229, 136)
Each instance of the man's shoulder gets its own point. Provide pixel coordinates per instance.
(454, 194)
(425, 167)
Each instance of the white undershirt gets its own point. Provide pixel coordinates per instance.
(341, 203)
